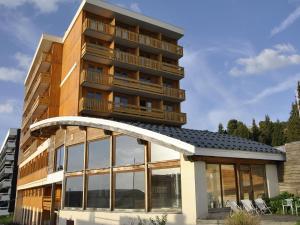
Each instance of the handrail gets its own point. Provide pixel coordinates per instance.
(127, 34)
(98, 26)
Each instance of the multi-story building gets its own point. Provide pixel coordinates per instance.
(101, 130)
(9, 171)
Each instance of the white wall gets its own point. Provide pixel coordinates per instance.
(272, 180)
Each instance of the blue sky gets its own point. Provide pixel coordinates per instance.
(242, 58)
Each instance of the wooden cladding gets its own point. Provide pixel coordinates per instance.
(96, 79)
(126, 34)
(88, 105)
(95, 50)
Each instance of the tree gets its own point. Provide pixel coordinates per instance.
(254, 131)
(278, 137)
(232, 126)
(242, 130)
(266, 130)
(293, 125)
(221, 129)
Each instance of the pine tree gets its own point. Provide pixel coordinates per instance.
(293, 125)
(278, 137)
(242, 130)
(221, 129)
(266, 131)
(232, 126)
(254, 131)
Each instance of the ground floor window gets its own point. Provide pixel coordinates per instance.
(74, 191)
(98, 191)
(233, 182)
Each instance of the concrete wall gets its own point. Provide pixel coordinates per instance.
(272, 180)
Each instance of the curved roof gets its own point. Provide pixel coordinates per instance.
(187, 141)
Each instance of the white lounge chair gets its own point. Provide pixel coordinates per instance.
(287, 203)
(233, 206)
(249, 207)
(262, 206)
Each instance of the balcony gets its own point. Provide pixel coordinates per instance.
(5, 183)
(108, 82)
(42, 65)
(106, 108)
(101, 54)
(4, 197)
(98, 29)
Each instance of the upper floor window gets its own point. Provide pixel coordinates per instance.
(121, 101)
(59, 158)
(75, 158)
(99, 154)
(95, 69)
(94, 95)
(128, 151)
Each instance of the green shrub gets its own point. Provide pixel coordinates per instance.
(6, 219)
(159, 221)
(242, 218)
(275, 203)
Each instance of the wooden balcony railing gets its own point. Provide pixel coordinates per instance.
(126, 34)
(149, 63)
(110, 80)
(98, 26)
(172, 68)
(126, 57)
(100, 106)
(36, 175)
(97, 50)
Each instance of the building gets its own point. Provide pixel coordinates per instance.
(9, 171)
(101, 135)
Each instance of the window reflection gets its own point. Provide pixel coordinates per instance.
(99, 154)
(213, 186)
(258, 180)
(245, 182)
(128, 151)
(59, 159)
(228, 183)
(98, 191)
(161, 153)
(166, 188)
(74, 190)
(130, 190)
(75, 158)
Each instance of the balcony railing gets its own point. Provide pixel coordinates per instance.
(110, 80)
(98, 26)
(127, 34)
(100, 106)
(95, 50)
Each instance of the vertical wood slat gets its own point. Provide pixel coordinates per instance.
(65, 168)
(84, 197)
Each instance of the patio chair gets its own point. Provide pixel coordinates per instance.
(297, 205)
(287, 203)
(234, 208)
(262, 206)
(249, 207)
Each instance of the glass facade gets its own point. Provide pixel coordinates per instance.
(74, 191)
(99, 154)
(75, 158)
(228, 183)
(130, 190)
(259, 181)
(98, 191)
(59, 159)
(129, 151)
(166, 188)
(213, 186)
(161, 153)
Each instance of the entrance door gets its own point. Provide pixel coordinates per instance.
(245, 182)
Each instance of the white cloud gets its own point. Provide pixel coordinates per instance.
(16, 74)
(279, 56)
(287, 22)
(289, 83)
(7, 107)
(44, 6)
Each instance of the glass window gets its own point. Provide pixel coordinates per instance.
(75, 158)
(213, 186)
(128, 151)
(130, 190)
(94, 95)
(98, 191)
(161, 153)
(228, 183)
(59, 159)
(245, 181)
(121, 101)
(74, 190)
(166, 188)
(258, 180)
(99, 154)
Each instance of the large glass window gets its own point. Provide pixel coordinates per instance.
(99, 154)
(128, 151)
(166, 188)
(74, 190)
(258, 180)
(130, 190)
(228, 183)
(59, 159)
(75, 158)
(213, 186)
(245, 182)
(98, 191)
(161, 153)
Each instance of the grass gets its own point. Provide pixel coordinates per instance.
(6, 219)
(298, 223)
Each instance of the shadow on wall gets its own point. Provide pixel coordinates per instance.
(114, 219)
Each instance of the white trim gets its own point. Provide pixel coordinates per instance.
(43, 147)
(68, 74)
(50, 179)
(138, 132)
(239, 154)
